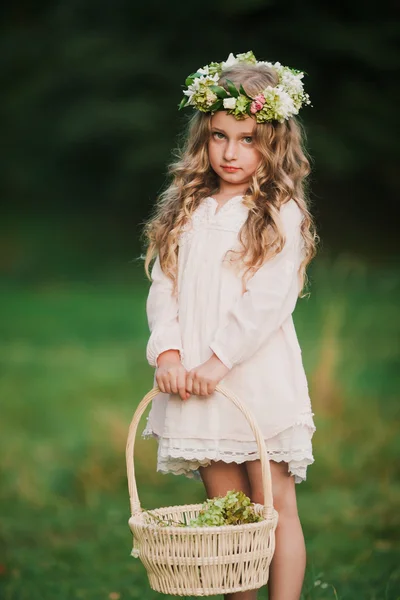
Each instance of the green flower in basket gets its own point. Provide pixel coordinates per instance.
(235, 508)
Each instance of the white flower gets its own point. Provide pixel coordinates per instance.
(197, 82)
(203, 70)
(285, 105)
(291, 82)
(279, 101)
(264, 62)
(189, 93)
(229, 103)
(231, 60)
(277, 65)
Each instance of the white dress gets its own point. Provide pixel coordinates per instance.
(253, 334)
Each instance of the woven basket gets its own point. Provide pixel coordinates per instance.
(202, 561)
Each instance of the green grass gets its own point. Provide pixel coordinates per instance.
(73, 371)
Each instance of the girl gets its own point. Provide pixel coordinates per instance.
(231, 237)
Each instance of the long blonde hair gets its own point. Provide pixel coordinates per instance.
(280, 177)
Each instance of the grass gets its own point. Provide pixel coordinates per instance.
(73, 371)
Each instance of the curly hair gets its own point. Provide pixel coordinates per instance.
(280, 177)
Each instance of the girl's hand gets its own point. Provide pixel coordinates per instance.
(202, 379)
(171, 374)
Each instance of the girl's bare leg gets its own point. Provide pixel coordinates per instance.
(289, 561)
(219, 478)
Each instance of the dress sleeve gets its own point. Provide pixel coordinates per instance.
(270, 297)
(162, 316)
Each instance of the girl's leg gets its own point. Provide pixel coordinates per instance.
(218, 478)
(289, 561)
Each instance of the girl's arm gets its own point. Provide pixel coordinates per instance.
(162, 316)
(270, 298)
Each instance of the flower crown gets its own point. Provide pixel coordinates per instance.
(272, 104)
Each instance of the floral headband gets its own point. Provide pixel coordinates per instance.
(272, 104)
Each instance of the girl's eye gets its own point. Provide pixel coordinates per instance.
(248, 139)
(218, 135)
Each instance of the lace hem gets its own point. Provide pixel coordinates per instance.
(185, 456)
(297, 469)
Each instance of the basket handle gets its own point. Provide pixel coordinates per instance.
(130, 466)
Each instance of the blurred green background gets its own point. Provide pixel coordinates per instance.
(89, 119)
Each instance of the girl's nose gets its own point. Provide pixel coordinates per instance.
(230, 151)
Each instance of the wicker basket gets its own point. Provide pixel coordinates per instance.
(202, 561)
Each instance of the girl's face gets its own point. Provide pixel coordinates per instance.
(231, 148)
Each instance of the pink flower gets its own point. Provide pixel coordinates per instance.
(257, 103)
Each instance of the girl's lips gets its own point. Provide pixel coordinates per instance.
(230, 169)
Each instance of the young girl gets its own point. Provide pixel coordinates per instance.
(231, 237)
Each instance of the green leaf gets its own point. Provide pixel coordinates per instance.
(244, 93)
(189, 80)
(183, 102)
(220, 91)
(248, 110)
(232, 89)
(216, 106)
